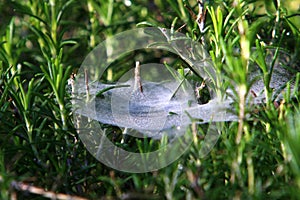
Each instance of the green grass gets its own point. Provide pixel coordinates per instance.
(43, 42)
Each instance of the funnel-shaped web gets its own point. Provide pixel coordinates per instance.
(159, 105)
(158, 108)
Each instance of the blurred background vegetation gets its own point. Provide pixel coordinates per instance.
(44, 41)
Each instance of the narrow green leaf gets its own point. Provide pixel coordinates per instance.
(145, 23)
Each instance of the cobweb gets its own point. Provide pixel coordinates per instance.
(158, 109)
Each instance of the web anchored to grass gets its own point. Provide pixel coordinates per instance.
(149, 104)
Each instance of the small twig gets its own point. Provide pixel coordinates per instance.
(40, 191)
(193, 15)
(199, 88)
(194, 178)
(86, 79)
(201, 15)
(201, 18)
(137, 77)
(71, 83)
(181, 27)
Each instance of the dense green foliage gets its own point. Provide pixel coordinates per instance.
(43, 42)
